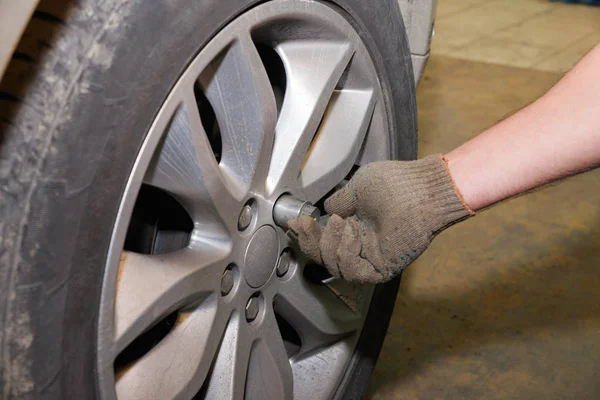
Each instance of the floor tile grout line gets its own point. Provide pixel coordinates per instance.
(497, 64)
(469, 7)
(507, 27)
(561, 50)
(451, 50)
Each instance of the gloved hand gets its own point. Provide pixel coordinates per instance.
(383, 219)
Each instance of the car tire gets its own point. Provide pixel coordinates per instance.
(75, 105)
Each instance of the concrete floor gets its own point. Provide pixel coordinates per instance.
(507, 304)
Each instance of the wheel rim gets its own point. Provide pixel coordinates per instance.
(237, 283)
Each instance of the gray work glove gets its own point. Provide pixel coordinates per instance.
(383, 219)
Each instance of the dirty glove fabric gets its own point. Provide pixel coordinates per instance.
(383, 219)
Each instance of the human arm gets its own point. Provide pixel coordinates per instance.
(389, 212)
(556, 136)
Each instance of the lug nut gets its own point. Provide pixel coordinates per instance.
(288, 207)
(310, 211)
(283, 266)
(245, 217)
(226, 282)
(252, 308)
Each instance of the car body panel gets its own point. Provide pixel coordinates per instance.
(14, 16)
(419, 16)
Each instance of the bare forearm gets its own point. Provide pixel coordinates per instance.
(556, 136)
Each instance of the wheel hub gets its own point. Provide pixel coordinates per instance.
(261, 256)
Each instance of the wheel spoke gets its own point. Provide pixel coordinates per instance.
(228, 377)
(185, 166)
(337, 143)
(151, 286)
(377, 143)
(313, 71)
(316, 313)
(178, 365)
(238, 88)
(269, 374)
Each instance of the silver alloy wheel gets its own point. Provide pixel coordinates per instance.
(224, 285)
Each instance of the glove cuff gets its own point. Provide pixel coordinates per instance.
(443, 198)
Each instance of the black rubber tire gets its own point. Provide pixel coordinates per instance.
(75, 105)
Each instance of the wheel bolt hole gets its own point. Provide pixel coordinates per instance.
(286, 260)
(246, 215)
(253, 307)
(228, 279)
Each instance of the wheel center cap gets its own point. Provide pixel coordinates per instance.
(261, 256)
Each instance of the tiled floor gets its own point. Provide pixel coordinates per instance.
(507, 304)
(533, 34)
